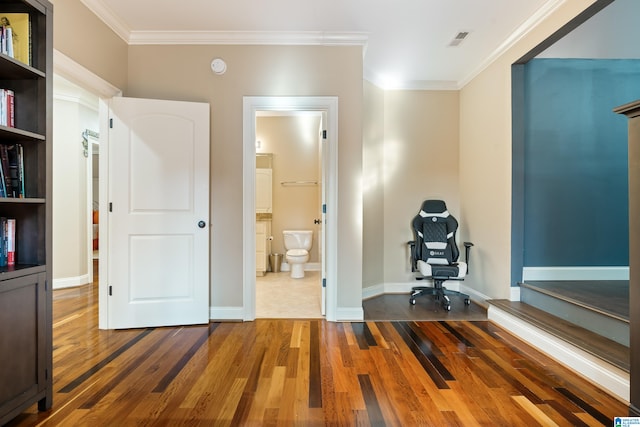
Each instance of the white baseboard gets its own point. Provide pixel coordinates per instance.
(310, 266)
(349, 314)
(599, 372)
(575, 273)
(405, 288)
(226, 313)
(70, 282)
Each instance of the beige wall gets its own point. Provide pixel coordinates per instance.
(421, 158)
(373, 186)
(485, 160)
(184, 73)
(295, 147)
(81, 36)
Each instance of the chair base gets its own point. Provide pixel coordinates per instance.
(439, 292)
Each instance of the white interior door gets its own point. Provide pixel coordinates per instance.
(159, 213)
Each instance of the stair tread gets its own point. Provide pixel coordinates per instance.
(597, 345)
(606, 297)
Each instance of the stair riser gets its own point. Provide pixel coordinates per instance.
(598, 323)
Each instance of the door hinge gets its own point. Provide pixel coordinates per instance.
(324, 134)
(110, 290)
(111, 123)
(324, 208)
(110, 207)
(324, 282)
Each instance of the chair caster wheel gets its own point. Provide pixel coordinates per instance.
(412, 301)
(467, 301)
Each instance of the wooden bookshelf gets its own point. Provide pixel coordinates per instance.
(25, 288)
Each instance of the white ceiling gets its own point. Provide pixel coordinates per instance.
(405, 42)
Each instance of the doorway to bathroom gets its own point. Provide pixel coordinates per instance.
(294, 137)
(288, 199)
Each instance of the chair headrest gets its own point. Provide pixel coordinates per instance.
(434, 206)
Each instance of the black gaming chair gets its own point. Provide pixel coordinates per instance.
(434, 252)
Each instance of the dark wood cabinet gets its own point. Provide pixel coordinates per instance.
(25, 286)
(632, 111)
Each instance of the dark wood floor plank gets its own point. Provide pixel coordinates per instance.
(374, 412)
(315, 374)
(96, 368)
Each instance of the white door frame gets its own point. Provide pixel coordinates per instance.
(251, 105)
(76, 73)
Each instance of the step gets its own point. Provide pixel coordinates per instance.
(585, 304)
(597, 345)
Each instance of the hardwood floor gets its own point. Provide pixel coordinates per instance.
(306, 372)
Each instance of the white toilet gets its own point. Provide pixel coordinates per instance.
(297, 244)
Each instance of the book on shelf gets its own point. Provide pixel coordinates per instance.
(15, 36)
(7, 108)
(7, 241)
(11, 242)
(14, 155)
(12, 171)
(4, 164)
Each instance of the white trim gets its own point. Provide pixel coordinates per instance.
(70, 282)
(594, 369)
(373, 291)
(532, 22)
(226, 313)
(112, 20)
(575, 273)
(349, 314)
(252, 104)
(103, 223)
(405, 288)
(77, 74)
(78, 100)
(280, 38)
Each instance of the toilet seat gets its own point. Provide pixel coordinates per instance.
(297, 252)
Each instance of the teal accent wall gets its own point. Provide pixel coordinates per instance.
(575, 161)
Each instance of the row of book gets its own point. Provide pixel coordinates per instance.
(7, 242)
(12, 171)
(15, 36)
(7, 109)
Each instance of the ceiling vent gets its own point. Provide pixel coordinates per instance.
(459, 38)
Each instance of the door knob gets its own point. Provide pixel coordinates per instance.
(201, 224)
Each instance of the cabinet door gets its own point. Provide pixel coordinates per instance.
(263, 190)
(22, 342)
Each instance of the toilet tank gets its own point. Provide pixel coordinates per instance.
(297, 239)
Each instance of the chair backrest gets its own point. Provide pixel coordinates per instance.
(435, 234)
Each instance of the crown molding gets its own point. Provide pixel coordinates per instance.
(314, 38)
(106, 15)
(317, 38)
(534, 20)
(308, 38)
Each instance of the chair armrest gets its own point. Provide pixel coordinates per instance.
(414, 265)
(467, 253)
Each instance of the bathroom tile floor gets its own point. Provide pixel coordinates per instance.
(278, 296)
